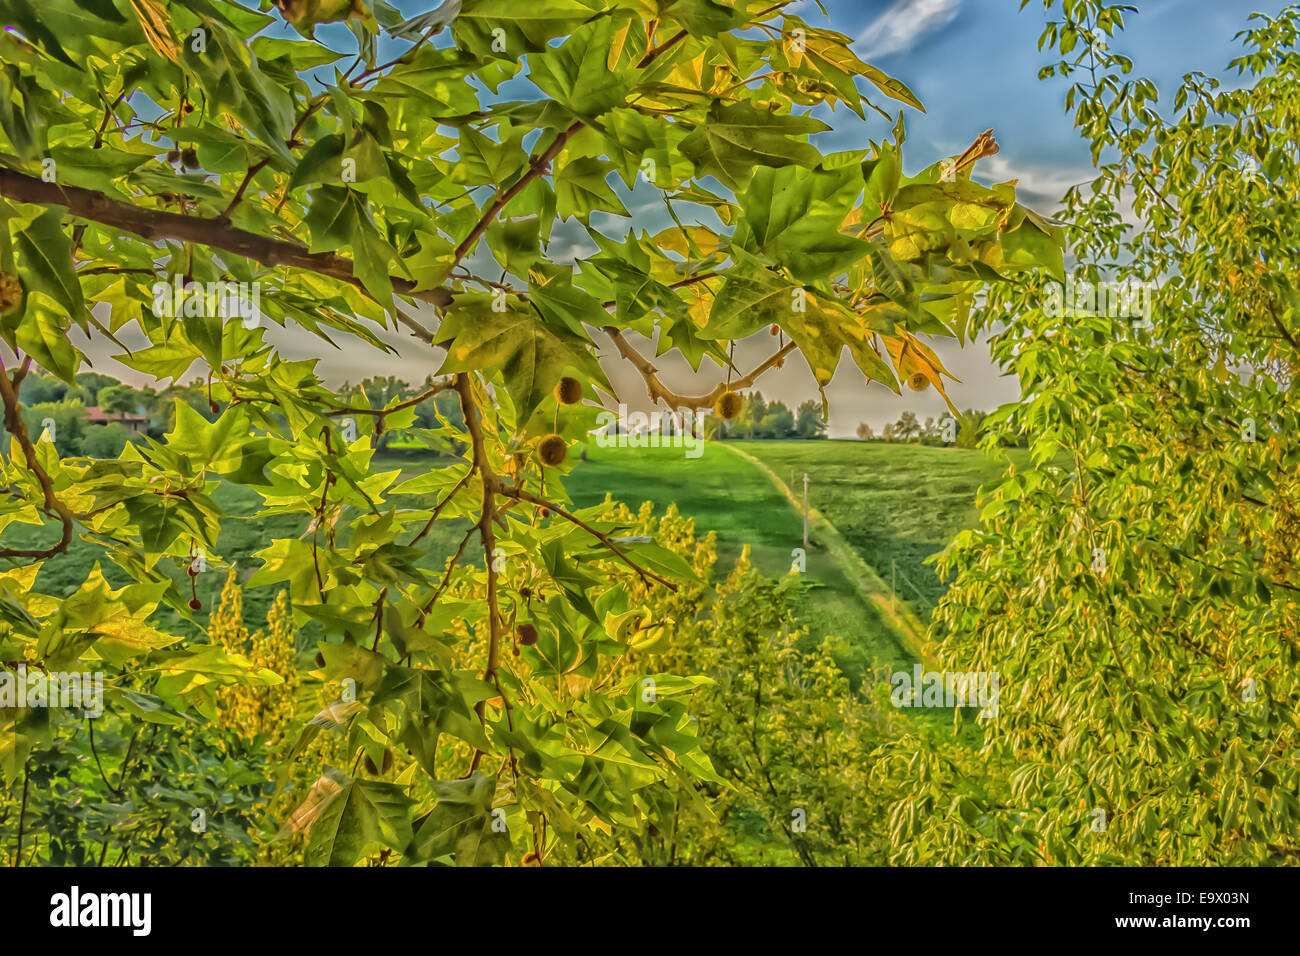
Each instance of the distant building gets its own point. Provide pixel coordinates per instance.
(134, 424)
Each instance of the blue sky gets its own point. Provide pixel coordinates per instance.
(974, 64)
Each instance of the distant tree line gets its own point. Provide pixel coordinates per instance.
(763, 419)
(48, 399)
(941, 432)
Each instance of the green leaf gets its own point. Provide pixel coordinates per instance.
(581, 188)
(461, 824)
(45, 262)
(531, 354)
(363, 816)
(736, 138)
(341, 217)
(576, 73)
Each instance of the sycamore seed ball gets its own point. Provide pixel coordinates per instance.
(728, 405)
(11, 293)
(918, 382)
(552, 450)
(527, 634)
(569, 391)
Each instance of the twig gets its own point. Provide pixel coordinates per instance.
(442, 504)
(14, 424)
(381, 412)
(658, 391)
(603, 538)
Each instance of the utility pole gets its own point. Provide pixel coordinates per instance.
(805, 510)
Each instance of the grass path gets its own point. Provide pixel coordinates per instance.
(726, 493)
(867, 583)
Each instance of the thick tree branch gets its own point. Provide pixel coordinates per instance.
(469, 407)
(14, 424)
(154, 224)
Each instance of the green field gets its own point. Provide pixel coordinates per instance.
(728, 495)
(890, 501)
(894, 503)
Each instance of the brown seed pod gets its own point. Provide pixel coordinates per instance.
(320, 659)
(568, 391)
(173, 155)
(918, 382)
(190, 158)
(531, 859)
(11, 293)
(371, 768)
(728, 405)
(527, 634)
(553, 450)
(388, 760)
(195, 604)
(774, 329)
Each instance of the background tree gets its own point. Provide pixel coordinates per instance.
(809, 421)
(117, 398)
(907, 427)
(1135, 585)
(103, 441)
(968, 428)
(777, 422)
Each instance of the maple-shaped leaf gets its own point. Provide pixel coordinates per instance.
(341, 217)
(826, 55)
(826, 327)
(736, 138)
(531, 354)
(918, 365)
(576, 73)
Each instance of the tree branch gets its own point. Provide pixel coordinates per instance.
(537, 165)
(14, 424)
(465, 387)
(658, 391)
(512, 492)
(381, 412)
(154, 224)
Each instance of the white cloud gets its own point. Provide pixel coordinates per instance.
(1041, 185)
(905, 22)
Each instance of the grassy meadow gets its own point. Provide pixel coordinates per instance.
(892, 502)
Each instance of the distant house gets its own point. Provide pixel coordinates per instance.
(134, 424)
